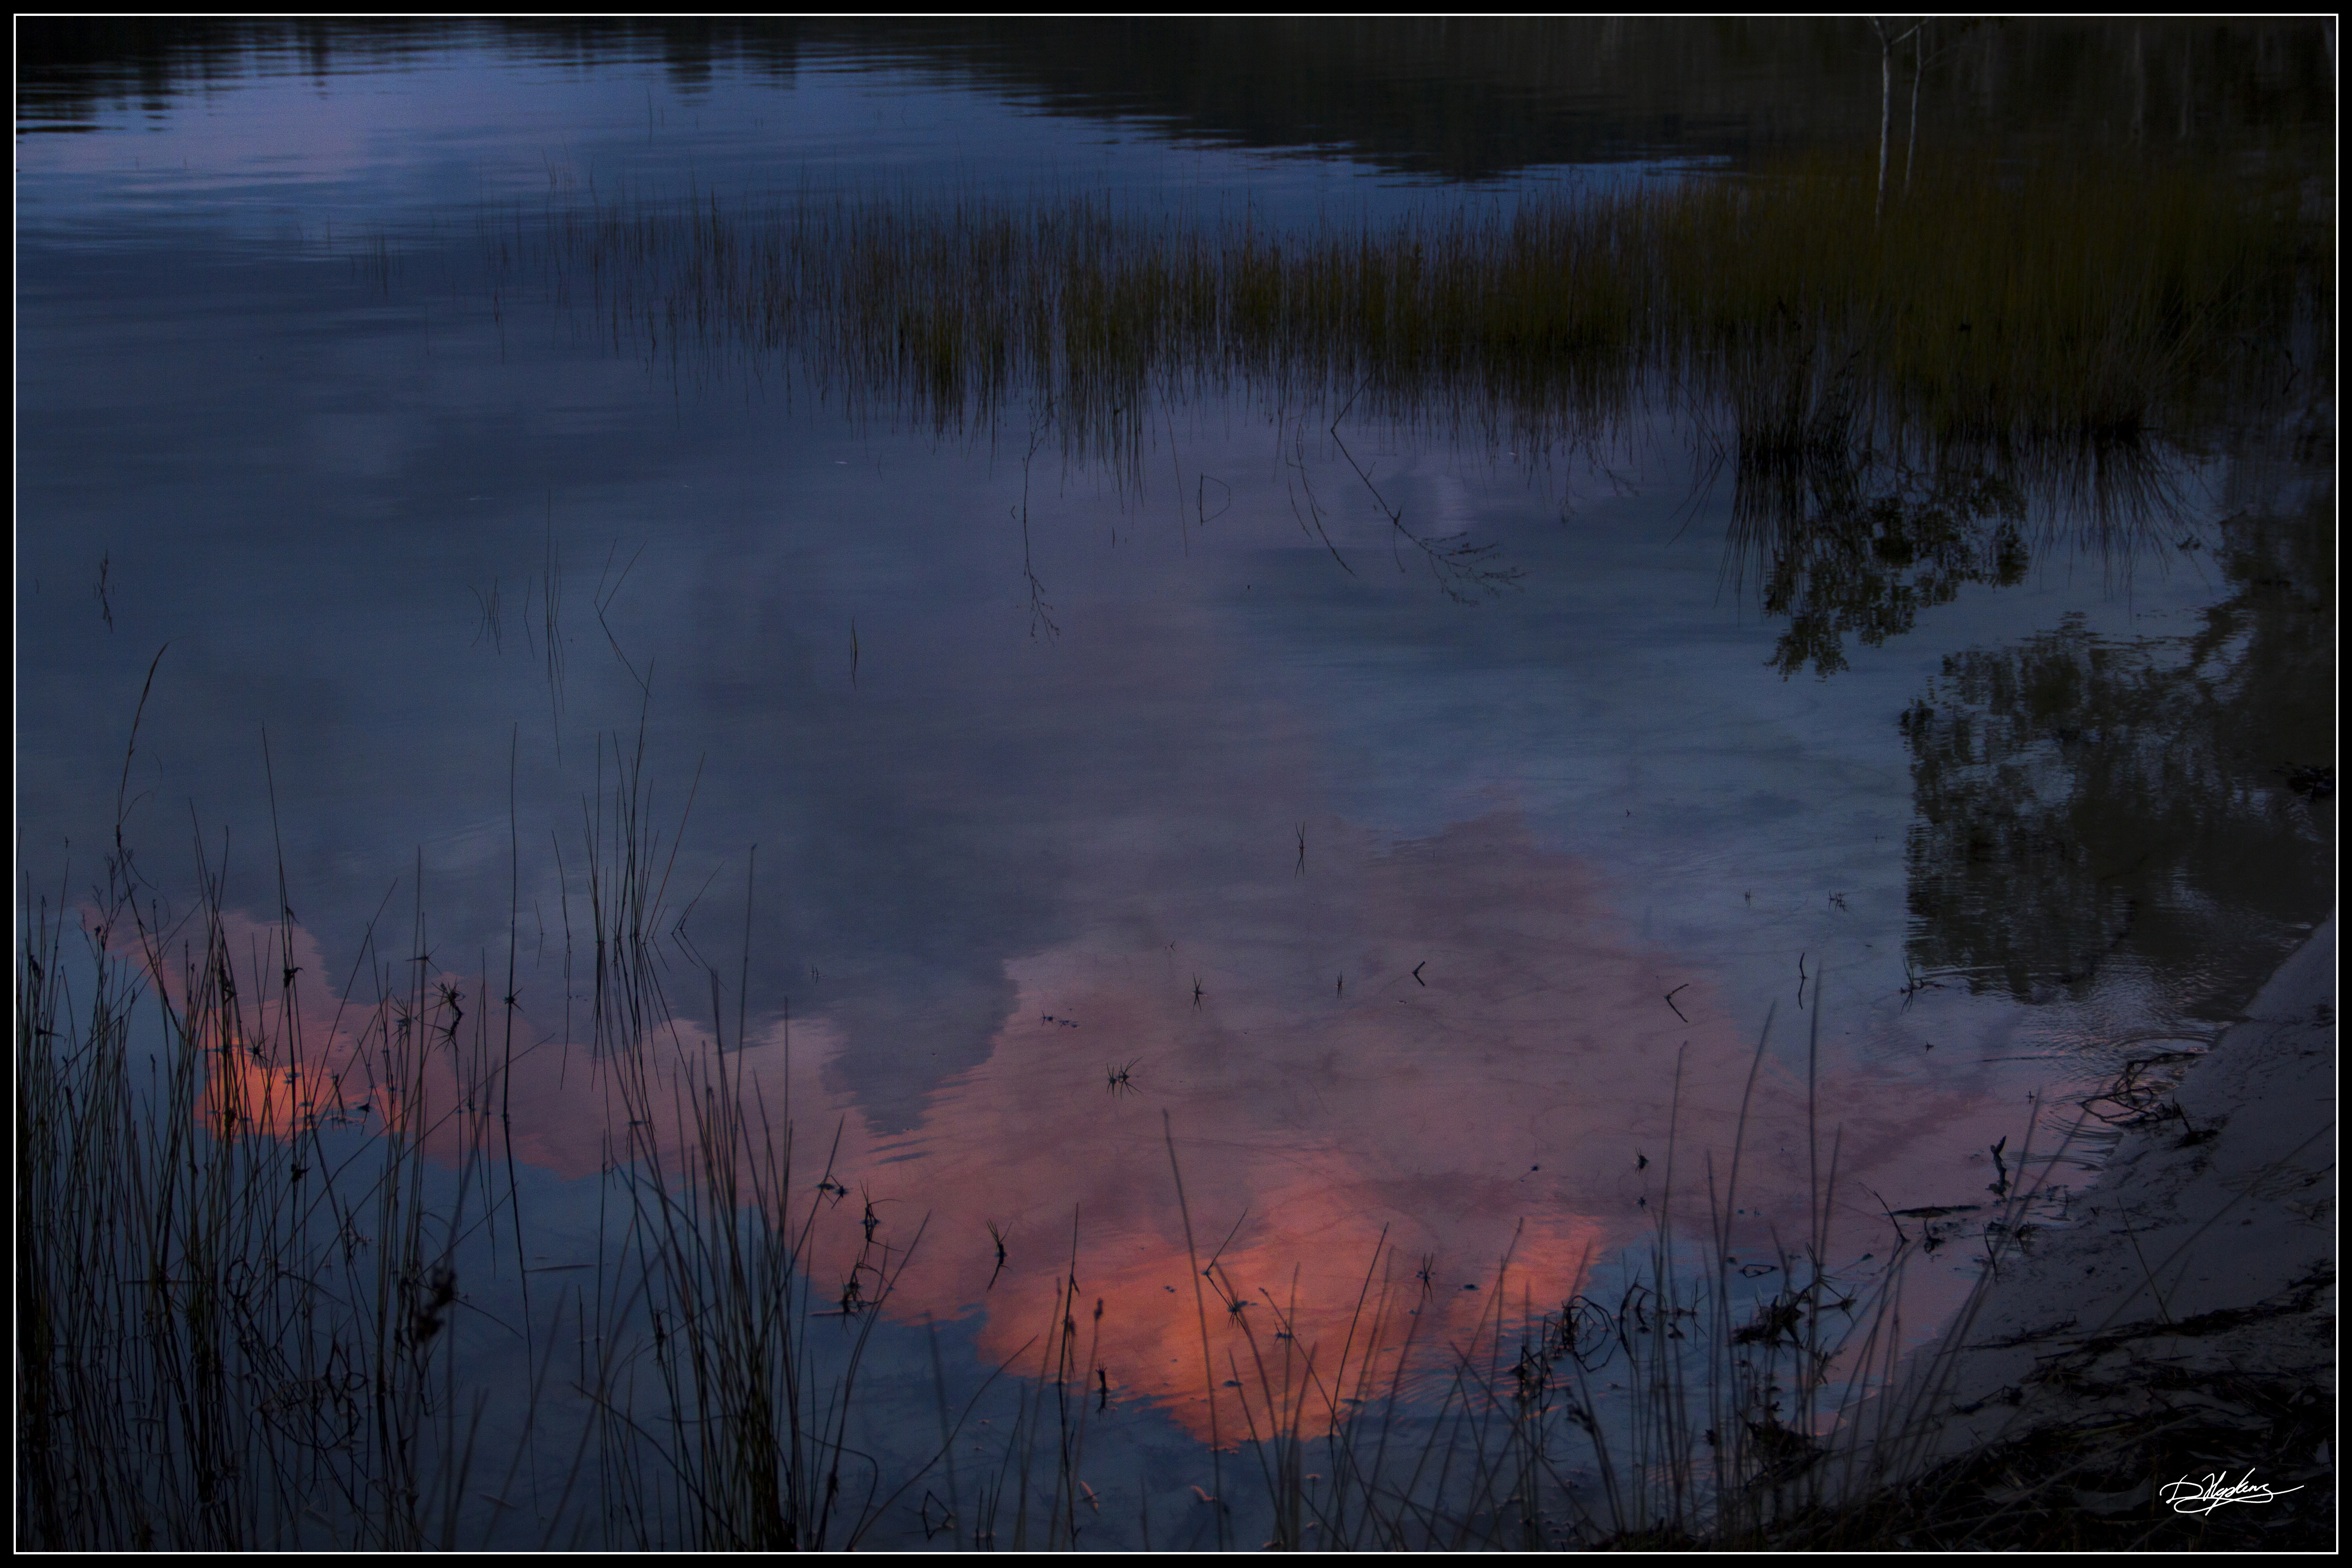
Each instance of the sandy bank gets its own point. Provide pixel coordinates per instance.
(2181, 1325)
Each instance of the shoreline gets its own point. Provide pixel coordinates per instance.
(2180, 1327)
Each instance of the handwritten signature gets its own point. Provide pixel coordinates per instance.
(2218, 1492)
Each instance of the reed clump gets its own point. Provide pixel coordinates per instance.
(1993, 306)
(268, 1281)
(1910, 392)
(235, 1309)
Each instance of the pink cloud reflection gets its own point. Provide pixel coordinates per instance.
(1436, 1054)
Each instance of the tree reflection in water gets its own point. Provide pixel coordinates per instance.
(2080, 796)
(1855, 545)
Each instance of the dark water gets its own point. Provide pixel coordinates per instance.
(1089, 789)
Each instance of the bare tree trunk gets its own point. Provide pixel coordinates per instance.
(2139, 85)
(1918, 69)
(1886, 42)
(1886, 106)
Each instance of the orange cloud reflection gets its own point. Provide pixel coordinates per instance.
(1424, 1058)
(1449, 1045)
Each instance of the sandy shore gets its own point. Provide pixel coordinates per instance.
(2182, 1324)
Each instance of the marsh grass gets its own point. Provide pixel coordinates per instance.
(235, 1314)
(251, 1265)
(1907, 398)
(1992, 309)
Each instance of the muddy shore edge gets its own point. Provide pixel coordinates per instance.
(2181, 1329)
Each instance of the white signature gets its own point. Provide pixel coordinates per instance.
(2216, 1491)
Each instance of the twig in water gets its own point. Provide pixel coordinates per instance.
(996, 1235)
(1455, 563)
(1297, 461)
(1041, 613)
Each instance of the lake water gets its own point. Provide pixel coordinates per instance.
(1117, 813)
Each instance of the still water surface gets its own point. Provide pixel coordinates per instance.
(1105, 807)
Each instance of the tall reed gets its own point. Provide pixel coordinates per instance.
(251, 1261)
(234, 1309)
